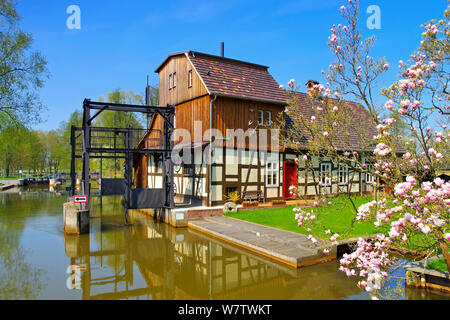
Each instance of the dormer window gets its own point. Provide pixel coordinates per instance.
(190, 78)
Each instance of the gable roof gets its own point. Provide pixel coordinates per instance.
(233, 78)
(244, 80)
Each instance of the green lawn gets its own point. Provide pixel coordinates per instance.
(337, 217)
(438, 264)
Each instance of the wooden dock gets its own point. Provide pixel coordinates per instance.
(286, 247)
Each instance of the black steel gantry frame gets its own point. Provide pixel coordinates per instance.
(130, 145)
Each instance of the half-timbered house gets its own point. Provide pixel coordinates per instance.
(233, 98)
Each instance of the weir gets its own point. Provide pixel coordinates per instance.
(89, 142)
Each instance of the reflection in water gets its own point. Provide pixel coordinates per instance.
(18, 278)
(146, 260)
(181, 264)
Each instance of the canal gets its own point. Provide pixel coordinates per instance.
(145, 260)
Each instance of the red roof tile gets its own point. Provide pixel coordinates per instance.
(235, 78)
(359, 128)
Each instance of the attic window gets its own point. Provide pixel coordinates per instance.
(170, 81)
(190, 78)
(174, 80)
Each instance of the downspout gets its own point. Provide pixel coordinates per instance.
(210, 149)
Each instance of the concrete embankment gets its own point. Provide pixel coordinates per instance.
(177, 218)
(290, 248)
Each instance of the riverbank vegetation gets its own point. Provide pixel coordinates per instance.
(47, 152)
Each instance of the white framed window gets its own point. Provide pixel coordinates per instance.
(170, 81)
(325, 173)
(343, 174)
(268, 117)
(190, 78)
(260, 117)
(369, 177)
(174, 80)
(272, 174)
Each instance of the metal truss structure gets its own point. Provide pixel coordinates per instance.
(89, 142)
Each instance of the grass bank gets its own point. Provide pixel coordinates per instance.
(438, 264)
(338, 216)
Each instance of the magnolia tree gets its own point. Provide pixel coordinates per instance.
(404, 151)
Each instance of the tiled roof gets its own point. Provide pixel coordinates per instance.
(240, 79)
(353, 139)
(235, 78)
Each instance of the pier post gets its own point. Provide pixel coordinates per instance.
(75, 220)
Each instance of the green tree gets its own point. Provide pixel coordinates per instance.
(12, 146)
(63, 147)
(121, 119)
(22, 71)
(34, 148)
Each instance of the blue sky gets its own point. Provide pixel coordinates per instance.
(121, 42)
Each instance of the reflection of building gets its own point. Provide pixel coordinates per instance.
(156, 261)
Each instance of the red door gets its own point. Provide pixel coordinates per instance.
(290, 178)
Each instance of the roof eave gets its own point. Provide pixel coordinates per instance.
(248, 98)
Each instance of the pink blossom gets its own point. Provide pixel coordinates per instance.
(291, 83)
(389, 105)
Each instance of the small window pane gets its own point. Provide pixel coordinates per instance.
(260, 117)
(190, 78)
